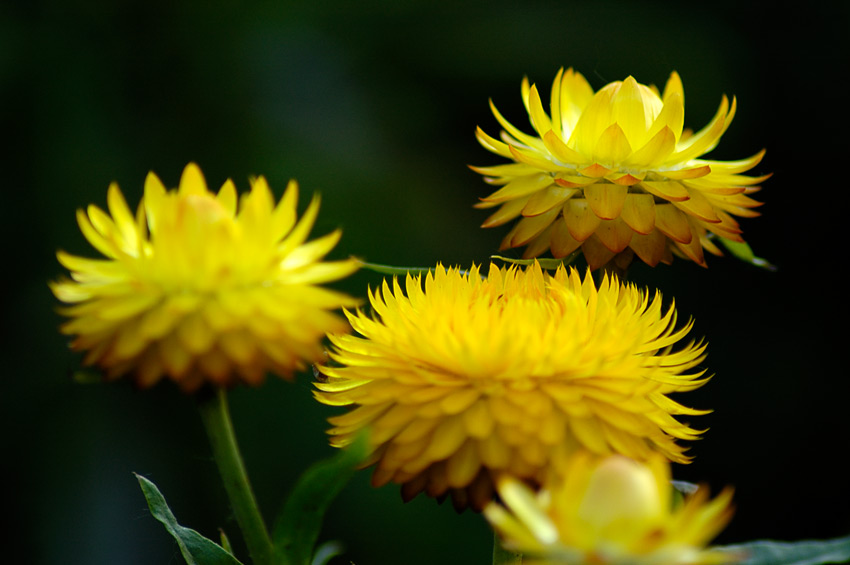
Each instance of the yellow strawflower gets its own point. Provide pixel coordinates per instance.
(198, 288)
(611, 511)
(615, 174)
(471, 377)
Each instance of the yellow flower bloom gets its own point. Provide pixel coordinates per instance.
(611, 511)
(473, 377)
(615, 174)
(199, 289)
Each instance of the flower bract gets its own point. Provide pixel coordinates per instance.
(462, 377)
(611, 511)
(614, 174)
(202, 287)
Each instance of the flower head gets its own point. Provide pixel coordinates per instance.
(615, 174)
(471, 377)
(199, 288)
(611, 511)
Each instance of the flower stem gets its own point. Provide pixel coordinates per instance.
(502, 556)
(215, 414)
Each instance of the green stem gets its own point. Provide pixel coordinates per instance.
(216, 417)
(502, 556)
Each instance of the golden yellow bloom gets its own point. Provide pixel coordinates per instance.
(615, 174)
(199, 289)
(611, 511)
(473, 377)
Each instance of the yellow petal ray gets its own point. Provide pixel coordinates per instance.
(698, 206)
(192, 181)
(688, 173)
(547, 199)
(633, 111)
(511, 130)
(519, 187)
(509, 210)
(534, 159)
(653, 151)
(705, 139)
(528, 228)
(227, 197)
(492, 144)
(667, 190)
(595, 118)
(539, 120)
(612, 147)
(673, 223)
(561, 151)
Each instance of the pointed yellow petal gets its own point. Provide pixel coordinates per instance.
(528, 228)
(639, 212)
(673, 223)
(614, 234)
(698, 206)
(612, 147)
(651, 247)
(521, 186)
(667, 190)
(561, 242)
(580, 219)
(192, 181)
(606, 200)
(545, 200)
(509, 210)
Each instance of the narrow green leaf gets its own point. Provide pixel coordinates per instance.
(547, 263)
(809, 552)
(393, 270)
(196, 549)
(298, 525)
(743, 252)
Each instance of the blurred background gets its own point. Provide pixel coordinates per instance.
(374, 105)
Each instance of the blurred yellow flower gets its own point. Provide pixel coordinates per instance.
(473, 376)
(615, 174)
(611, 511)
(200, 289)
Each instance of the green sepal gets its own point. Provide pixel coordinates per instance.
(196, 549)
(298, 525)
(547, 263)
(809, 552)
(742, 251)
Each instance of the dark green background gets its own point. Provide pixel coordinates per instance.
(375, 106)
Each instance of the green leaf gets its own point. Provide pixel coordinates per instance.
(810, 552)
(393, 270)
(298, 525)
(546, 263)
(196, 549)
(743, 252)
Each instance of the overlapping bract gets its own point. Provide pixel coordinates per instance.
(200, 288)
(615, 174)
(470, 377)
(611, 511)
